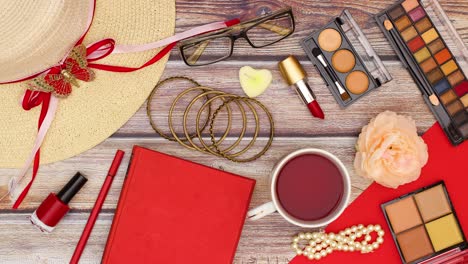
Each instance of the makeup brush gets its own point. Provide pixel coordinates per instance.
(343, 94)
(389, 26)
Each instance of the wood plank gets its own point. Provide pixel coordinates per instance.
(291, 116)
(265, 241)
(310, 16)
(95, 162)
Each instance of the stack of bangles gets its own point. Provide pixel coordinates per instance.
(211, 97)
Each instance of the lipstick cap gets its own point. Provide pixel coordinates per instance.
(71, 188)
(291, 70)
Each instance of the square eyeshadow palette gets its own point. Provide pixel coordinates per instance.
(345, 59)
(434, 53)
(425, 227)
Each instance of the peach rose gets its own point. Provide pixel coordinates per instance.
(389, 150)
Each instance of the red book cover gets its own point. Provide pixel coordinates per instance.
(175, 211)
(446, 162)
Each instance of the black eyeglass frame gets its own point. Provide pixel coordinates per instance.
(243, 33)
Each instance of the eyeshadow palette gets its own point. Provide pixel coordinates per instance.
(428, 45)
(345, 59)
(425, 227)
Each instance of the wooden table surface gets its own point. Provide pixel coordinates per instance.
(264, 241)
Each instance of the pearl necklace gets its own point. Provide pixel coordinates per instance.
(320, 244)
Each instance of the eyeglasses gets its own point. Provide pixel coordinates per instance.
(259, 32)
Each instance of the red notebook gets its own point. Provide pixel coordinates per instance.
(446, 162)
(174, 211)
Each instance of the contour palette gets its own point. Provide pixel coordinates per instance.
(425, 227)
(345, 59)
(435, 60)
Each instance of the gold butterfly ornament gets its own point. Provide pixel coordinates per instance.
(74, 68)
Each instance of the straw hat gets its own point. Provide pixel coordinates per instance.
(37, 34)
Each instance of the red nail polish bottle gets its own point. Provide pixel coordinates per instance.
(55, 206)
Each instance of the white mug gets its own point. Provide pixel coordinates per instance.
(274, 205)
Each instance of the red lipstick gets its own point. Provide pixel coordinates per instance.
(55, 206)
(295, 76)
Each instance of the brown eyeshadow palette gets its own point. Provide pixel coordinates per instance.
(425, 227)
(345, 59)
(427, 44)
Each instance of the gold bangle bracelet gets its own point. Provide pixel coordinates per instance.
(150, 99)
(233, 98)
(189, 145)
(270, 139)
(241, 136)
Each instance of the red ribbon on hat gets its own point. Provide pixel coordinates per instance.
(32, 99)
(94, 52)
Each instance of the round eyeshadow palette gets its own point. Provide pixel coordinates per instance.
(356, 72)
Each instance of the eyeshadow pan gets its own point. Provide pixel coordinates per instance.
(428, 65)
(464, 130)
(417, 13)
(448, 97)
(329, 40)
(442, 56)
(436, 46)
(416, 44)
(422, 55)
(441, 86)
(460, 118)
(396, 12)
(403, 214)
(462, 88)
(409, 5)
(423, 25)
(343, 60)
(414, 244)
(432, 203)
(430, 35)
(454, 107)
(435, 76)
(456, 77)
(357, 82)
(409, 34)
(444, 232)
(464, 100)
(449, 67)
(402, 23)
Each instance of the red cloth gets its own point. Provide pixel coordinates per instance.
(175, 211)
(446, 162)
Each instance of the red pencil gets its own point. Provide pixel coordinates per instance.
(97, 206)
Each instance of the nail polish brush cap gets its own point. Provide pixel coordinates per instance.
(291, 70)
(71, 188)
